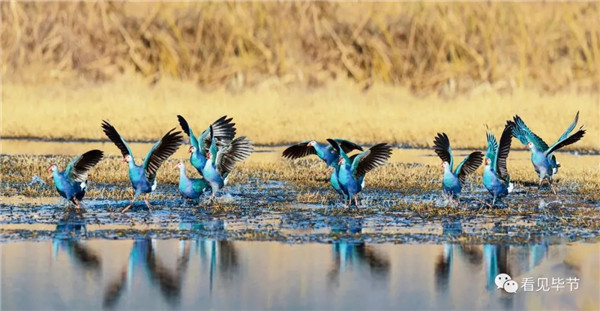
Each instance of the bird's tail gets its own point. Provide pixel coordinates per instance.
(510, 187)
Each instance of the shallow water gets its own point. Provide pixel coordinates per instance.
(272, 252)
(198, 273)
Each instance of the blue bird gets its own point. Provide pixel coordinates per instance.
(72, 182)
(542, 155)
(325, 152)
(190, 188)
(220, 161)
(495, 175)
(453, 180)
(352, 170)
(223, 131)
(143, 177)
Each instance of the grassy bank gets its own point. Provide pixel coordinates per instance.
(281, 115)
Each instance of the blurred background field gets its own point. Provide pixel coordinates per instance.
(394, 72)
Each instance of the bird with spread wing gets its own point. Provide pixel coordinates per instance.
(72, 182)
(542, 155)
(143, 177)
(325, 152)
(453, 180)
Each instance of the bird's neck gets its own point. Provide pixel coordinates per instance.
(447, 170)
(56, 177)
(182, 177)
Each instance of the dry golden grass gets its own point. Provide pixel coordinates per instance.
(408, 172)
(425, 46)
(281, 115)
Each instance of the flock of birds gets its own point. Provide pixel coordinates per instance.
(215, 152)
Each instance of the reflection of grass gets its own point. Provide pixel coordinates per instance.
(284, 115)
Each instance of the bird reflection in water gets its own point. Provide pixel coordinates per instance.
(144, 261)
(495, 258)
(349, 254)
(220, 258)
(67, 237)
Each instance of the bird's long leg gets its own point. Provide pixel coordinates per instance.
(356, 200)
(146, 201)
(485, 203)
(130, 204)
(493, 201)
(78, 204)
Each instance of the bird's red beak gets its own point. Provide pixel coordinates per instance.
(340, 161)
(176, 166)
(124, 159)
(190, 149)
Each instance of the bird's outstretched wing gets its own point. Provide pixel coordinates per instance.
(223, 130)
(188, 131)
(299, 150)
(371, 158)
(525, 135)
(570, 128)
(469, 165)
(79, 168)
(346, 145)
(441, 145)
(503, 150)
(114, 136)
(239, 149)
(492, 147)
(566, 141)
(161, 151)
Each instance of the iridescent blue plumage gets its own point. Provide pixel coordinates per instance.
(495, 175)
(143, 177)
(221, 160)
(542, 155)
(453, 180)
(190, 188)
(325, 152)
(223, 132)
(71, 183)
(352, 170)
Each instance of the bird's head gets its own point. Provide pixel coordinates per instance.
(51, 169)
(445, 164)
(192, 149)
(312, 143)
(529, 145)
(127, 158)
(178, 165)
(488, 161)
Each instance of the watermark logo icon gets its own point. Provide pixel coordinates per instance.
(505, 282)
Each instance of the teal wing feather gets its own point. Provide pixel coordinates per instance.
(570, 128)
(199, 184)
(566, 141)
(492, 148)
(69, 169)
(213, 146)
(188, 131)
(525, 135)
